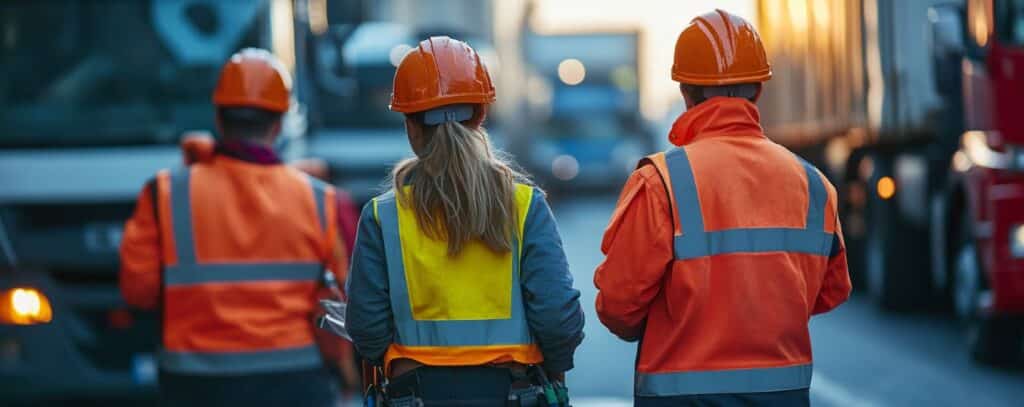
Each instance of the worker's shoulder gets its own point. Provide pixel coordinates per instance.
(299, 176)
(384, 197)
(529, 191)
(646, 174)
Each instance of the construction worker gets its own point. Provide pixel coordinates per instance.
(722, 248)
(459, 282)
(232, 249)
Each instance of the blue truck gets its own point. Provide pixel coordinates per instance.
(585, 128)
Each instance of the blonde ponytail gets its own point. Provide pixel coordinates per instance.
(460, 189)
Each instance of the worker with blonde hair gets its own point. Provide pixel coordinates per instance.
(459, 287)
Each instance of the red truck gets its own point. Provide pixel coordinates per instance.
(912, 107)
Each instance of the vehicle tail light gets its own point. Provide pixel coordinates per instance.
(24, 306)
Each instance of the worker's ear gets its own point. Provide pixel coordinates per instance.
(218, 127)
(275, 130)
(687, 97)
(757, 95)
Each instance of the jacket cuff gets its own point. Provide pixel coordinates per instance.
(557, 365)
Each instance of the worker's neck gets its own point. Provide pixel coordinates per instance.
(248, 149)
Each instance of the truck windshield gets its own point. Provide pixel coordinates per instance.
(606, 126)
(76, 73)
(369, 107)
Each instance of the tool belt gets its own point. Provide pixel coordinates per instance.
(532, 389)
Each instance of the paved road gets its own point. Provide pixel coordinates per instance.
(863, 357)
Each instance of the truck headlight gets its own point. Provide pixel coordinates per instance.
(1017, 241)
(24, 306)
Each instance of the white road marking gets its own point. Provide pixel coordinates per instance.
(835, 394)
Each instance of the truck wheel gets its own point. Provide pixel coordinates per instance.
(893, 282)
(990, 339)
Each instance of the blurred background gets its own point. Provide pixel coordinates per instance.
(912, 108)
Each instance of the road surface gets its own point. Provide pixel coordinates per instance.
(863, 357)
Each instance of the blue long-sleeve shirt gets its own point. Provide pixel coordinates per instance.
(551, 303)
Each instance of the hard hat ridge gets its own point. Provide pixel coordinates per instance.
(719, 48)
(254, 78)
(440, 71)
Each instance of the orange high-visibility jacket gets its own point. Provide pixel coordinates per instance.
(234, 252)
(718, 254)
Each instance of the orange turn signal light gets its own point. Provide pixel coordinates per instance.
(24, 306)
(886, 187)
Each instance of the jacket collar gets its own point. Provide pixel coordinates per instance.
(248, 151)
(718, 116)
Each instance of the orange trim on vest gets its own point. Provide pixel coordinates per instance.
(464, 355)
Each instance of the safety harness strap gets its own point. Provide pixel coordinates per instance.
(696, 242)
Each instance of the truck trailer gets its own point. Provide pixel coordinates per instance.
(910, 107)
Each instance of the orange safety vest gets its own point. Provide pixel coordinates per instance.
(742, 274)
(244, 247)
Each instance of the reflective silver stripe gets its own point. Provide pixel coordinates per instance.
(724, 381)
(319, 192)
(695, 242)
(816, 197)
(410, 332)
(181, 216)
(727, 241)
(238, 272)
(227, 363)
(684, 189)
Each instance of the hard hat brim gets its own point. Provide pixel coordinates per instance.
(222, 101)
(427, 104)
(719, 80)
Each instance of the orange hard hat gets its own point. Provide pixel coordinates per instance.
(253, 78)
(441, 71)
(719, 49)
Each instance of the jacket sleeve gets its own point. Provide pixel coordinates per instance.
(368, 317)
(638, 250)
(552, 304)
(835, 288)
(348, 218)
(140, 253)
(338, 255)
